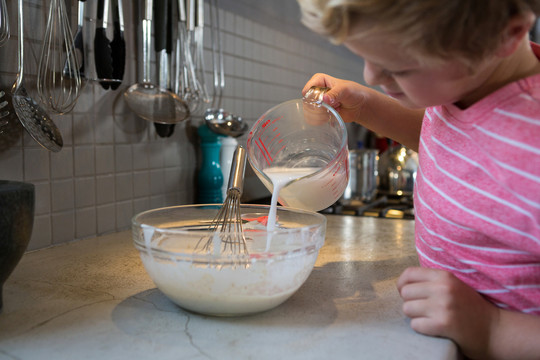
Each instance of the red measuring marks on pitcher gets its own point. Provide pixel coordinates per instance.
(339, 178)
(266, 142)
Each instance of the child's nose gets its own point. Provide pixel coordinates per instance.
(373, 74)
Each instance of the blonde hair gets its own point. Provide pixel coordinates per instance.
(466, 29)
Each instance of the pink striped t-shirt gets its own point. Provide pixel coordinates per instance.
(477, 194)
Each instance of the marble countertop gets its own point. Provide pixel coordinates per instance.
(92, 299)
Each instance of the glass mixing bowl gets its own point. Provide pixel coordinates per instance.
(276, 265)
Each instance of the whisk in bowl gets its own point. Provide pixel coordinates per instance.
(227, 233)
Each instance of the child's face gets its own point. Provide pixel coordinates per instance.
(414, 84)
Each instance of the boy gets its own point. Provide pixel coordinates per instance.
(462, 84)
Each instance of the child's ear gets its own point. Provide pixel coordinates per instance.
(517, 28)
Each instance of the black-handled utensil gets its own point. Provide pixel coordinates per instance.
(118, 45)
(102, 46)
(162, 46)
(78, 43)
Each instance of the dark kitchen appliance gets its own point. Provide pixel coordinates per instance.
(384, 206)
(16, 222)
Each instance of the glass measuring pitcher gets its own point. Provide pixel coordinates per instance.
(299, 148)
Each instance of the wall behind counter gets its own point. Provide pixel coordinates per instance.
(113, 164)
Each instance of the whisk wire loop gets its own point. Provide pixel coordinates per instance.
(59, 81)
(227, 234)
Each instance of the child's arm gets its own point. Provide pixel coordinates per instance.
(372, 109)
(439, 304)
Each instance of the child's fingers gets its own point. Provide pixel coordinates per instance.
(426, 326)
(318, 79)
(410, 275)
(413, 291)
(414, 308)
(420, 274)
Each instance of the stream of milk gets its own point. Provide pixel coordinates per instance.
(280, 177)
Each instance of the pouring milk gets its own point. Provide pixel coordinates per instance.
(280, 177)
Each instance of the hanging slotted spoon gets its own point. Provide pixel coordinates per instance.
(34, 119)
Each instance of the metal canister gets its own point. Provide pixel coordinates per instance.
(363, 179)
(397, 171)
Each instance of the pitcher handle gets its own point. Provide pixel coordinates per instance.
(314, 96)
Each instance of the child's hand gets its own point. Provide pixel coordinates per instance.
(347, 97)
(439, 304)
(371, 109)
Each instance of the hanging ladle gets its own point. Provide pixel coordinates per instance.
(217, 119)
(226, 124)
(34, 119)
(149, 101)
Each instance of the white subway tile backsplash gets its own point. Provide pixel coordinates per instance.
(63, 227)
(124, 157)
(86, 102)
(226, 21)
(104, 128)
(84, 159)
(85, 192)
(105, 189)
(141, 156)
(11, 164)
(85, 222)
(124, 186)
(41, 232)
(83, 129)
(141, 184)
(172, 156)
(128, 128)
(64, 123)
(28, 141)
(36, 164)
(104, 159)
(42, 198)
(158, 201)
(156, 157)
(140, 205)
(124, 213)
(171, 179)
(62, 164)
(156, 182)
(106, 218)
(62, 195)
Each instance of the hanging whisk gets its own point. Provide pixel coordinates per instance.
(59, 79)
(227, 233)
(4, 23)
